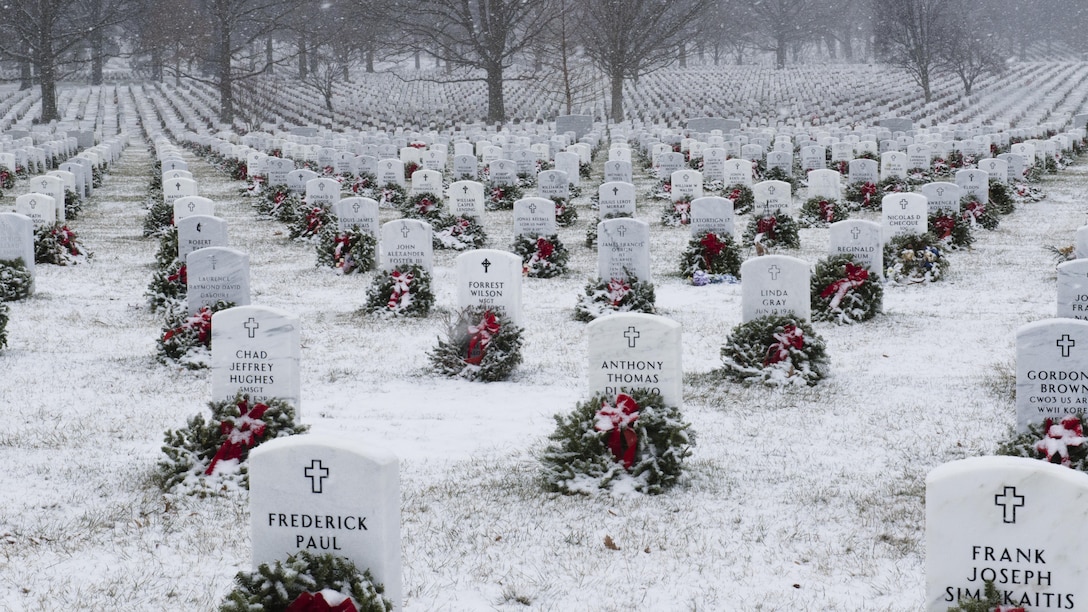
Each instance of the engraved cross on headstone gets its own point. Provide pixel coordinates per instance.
(177, 186)
(486, 264)
(355, 207)
(903, 203)
(212, 259)
(621, 230)
(192, 206)
(252, 326)
(1066, 344)
(404, 231)
(855, 232)
(774, 271)
(1009, 501)
(632, 335)
(615, 191)
(317, 473)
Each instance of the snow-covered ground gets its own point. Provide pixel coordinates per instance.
(806, 499)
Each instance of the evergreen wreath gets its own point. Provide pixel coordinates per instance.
(502, 197)
(604, 297)
(1059, 441)
(480, 345)
(302, 583)
(662, 189)
(775, 350)
(953, 231)
(543, 256)
(744, 200)
(1024, 193)
(630, 440)
(58, 245)
(1001, 201)
(892, 184)
(160, 216)
(187, 339)
(585, 170)
(348, 252)
(914, 258)
(309, 222)
(168, 247)
(711, 253)
(15, 280)
(424, 205)
(821, 212)
(73, 204)
(977, 213)
(769, 232)
(778, 174)
(458, 232)
(279, 203)
(364, 184)
(565, 212)
(7, 178)
(208, 456)
(168, 288)
(391, 195)
(844, 293)
(863, 195)
(676, 213)
(402, 292)
(5, 316)
(991, 601)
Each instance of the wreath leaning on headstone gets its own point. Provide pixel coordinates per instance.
(458, 232)
(604, 297)
(952, 230)
(168, 288)
(208, 456)
(821, 212)
(15, 280)
(843, 292)
(543, 256)
(977, 213)
(769, 232)
(502, 197)
(1001, 201)
(306, 582)
(58, 245)
(914, 258)
(480, 345)
(351, 251)
(1055, 440)
(744, 200)
(308, 223)
(402, 292)
(5, 315)
(565, 212)
(710, 255)
(631, 441)
(775, 350)
(676, 212)
(160, 215)
(423, 205)
(862, 195)
(187, 339)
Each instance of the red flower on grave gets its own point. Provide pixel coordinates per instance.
(363, 182)
(790, 337)
(315, 602)
(402, 283)
(418, 145)
(480, 336)
(181, 276)
(341, 253)
(945, 225)
(712, 247)
(544, 248)
(242, 432)
(66, 238)
(618, 419)
(855, 277)
(617, 290)
(766, 227)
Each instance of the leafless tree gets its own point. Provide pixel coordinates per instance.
(908, 34)
(968, 47)
(631, 38)
(564, 69)
(785, 25)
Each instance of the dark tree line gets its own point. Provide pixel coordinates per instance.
(580, 50)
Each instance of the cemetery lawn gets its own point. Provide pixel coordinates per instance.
(799, 498)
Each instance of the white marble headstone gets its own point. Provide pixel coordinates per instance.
(775, 285)
(1073, 289)
(859, 238)
(568, 162)
(975, 183)
(390, 171)
(553, 184)
(995, 169)
(322, 192)
(534, 217)
(617, 171)
(489, 278)
(466, 199)
(426, 181)
(50, 186)
(407, 242)
(864, 171)
(943, 196)
(17, 239)
(1016, 521)
(629, 351)
(1051, 370)
(824, 184)
(616, 198)
(215, 274)
(893, 164)
(738, 171)
(623, 249)
(198, 232)
(361, 212)
(192, 205)
(904, 213)
(687, 184)
(255, 351)
(40, 208)
(770, 196)
(711, 214)
(327, 494)
(178, 188)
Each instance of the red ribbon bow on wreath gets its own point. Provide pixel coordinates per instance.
(682, 208)
(945, 225)
(1059, 437)
(734, 195)
(766, 226)
(424, 206)
(242, 432)
(315, 602)
(855, 277)
(791, 336)
(343, 247)
(827, 210)
(481, 335)
(181, 276)
(497, 194)
(617, 290)
(313, 220)
(460, 227)
(544, 248)
(201, 321)
(712, 247)
(973, 210)
(868, 190)
(618, 419)
(401, 285)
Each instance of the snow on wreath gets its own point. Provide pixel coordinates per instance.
(307, 583)
(622, 443)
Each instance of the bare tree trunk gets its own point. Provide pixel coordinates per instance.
(496, 110)
(26, 75)
(156, 65)
(369, 59)
(268, 59)
(416, 58)
(617, 98)
(303, 60)
(682, 55)
(225, 78)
